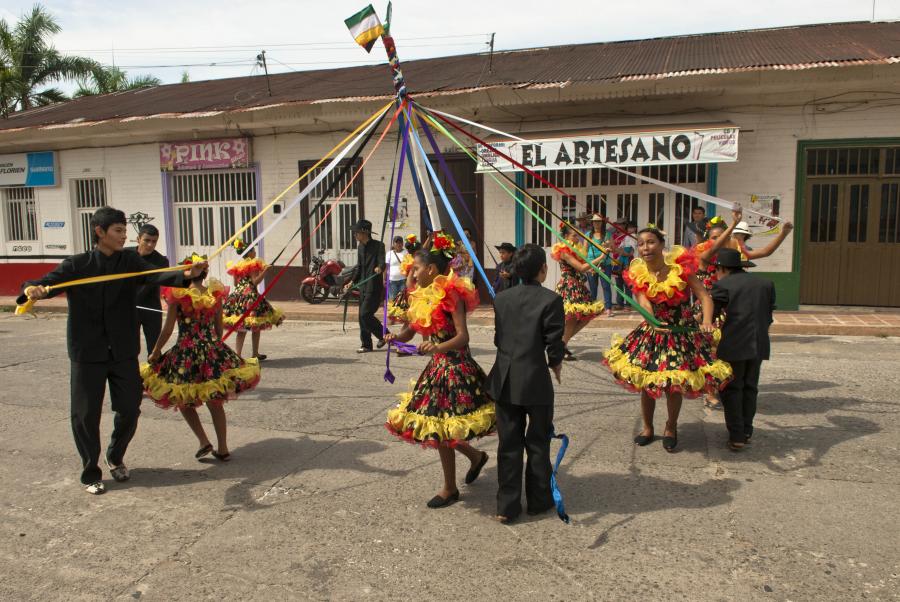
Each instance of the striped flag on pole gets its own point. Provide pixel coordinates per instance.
(365, 27)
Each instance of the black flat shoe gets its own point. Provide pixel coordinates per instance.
(204, 451)
(643, 440)
(440, 502)
(364, 350)
(569, 356)
(221, 457)
(476, 469)
(669, 444)
(381, 343)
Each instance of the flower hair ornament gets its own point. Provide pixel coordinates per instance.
(411, 239)
(652, 226)
(444, 244)
(192, 259)
(715, 221)
(239, 245)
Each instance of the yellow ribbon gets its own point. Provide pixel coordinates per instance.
(28, 306)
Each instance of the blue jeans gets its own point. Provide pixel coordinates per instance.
(592, 279)
(607, 289)
(395, 286)
(620, 284)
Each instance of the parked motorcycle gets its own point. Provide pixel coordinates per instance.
(326, 279)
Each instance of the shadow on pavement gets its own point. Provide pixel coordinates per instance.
(304, 362)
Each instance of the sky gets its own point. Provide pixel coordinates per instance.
(167, 40)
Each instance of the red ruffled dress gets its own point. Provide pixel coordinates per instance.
(199, 368)
(448, 404)
(667, 359)
(244, 295)
(573, 288)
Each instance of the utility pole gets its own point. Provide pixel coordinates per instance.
(261, 60)
(491, 59)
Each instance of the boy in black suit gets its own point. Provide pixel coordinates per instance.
(148, 294)
(103, 340)
(529, 324)
(748, 302)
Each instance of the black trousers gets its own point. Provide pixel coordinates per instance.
(88, 382)
(517, 437)
(151, 323)
(739, 399)
(369, 325)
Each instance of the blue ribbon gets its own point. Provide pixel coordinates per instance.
(450, 212)
(554, 485)
(388, 375)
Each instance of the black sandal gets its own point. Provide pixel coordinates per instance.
(440, 502)
(221, 457)
(476, 469)
(569, 356)
(669, 443)
(643, 440)
(204, 451)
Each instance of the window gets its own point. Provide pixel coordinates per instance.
(627, 206)
(208, 203)
(892, 161)
(540, 235)
(334, 234)
(684, 204)
(90, 194)
(823, 213)
(843, 161)
(859, 213)
(889, 218)
(569, 208)
(21, 214)
(561, 178)
(658, 209)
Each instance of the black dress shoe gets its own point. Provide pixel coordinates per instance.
(364, 350)
(381, 343)
(439, 502)
(476, 469)
(669, 444)
(643, 440)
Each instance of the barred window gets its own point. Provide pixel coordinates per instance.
(21, 214)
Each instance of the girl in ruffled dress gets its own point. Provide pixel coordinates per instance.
(676, 360)
(247, 274)
(400, 303)
(448, 406)
(199, 369)
(580, 308)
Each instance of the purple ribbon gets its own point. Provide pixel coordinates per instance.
(388, 375)
(405, 348)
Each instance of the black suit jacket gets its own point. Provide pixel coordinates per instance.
(103, 319)
(148, 294)
(529, 322)
(748, 302)
(370, 255)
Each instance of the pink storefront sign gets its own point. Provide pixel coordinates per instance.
(204, 154)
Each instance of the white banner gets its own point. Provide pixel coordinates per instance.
(717, 145)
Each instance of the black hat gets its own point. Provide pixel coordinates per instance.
(362, 225)
(730, 258)
(506, 247)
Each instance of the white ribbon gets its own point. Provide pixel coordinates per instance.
(315, 182)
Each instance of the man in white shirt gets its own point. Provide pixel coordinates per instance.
(395, 255)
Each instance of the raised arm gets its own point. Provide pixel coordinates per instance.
(707, 255)
(773, 245)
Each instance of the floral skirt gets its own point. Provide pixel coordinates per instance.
(182, 379)
(263, 316)
(577, 301)
(660, 361)
(447, 405)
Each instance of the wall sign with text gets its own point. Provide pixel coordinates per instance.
(29, 169)
(221, 153)
(589, 152)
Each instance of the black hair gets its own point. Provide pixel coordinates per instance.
(149, 230)
(436, 259)
(412, 247)
(698, 208)
(105, 217)
(398, 239)
(528, 261)
(564, 229)
(198, 278)
(721, 225)
(655, 232)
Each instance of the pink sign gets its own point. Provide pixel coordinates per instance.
(204, 154)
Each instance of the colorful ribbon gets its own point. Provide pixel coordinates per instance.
(554, 484)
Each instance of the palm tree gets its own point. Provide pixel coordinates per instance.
(29, 63)
(112, 79)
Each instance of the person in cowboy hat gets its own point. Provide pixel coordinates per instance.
(747, 302)
(370, 266)
(504, 278)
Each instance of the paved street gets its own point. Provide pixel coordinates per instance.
(320, 502)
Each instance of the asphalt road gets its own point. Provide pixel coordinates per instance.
(320, 502)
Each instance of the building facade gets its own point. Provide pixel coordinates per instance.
(811, 133)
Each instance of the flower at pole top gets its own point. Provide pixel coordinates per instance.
(239, 245)
(443, 243)
(193, 258)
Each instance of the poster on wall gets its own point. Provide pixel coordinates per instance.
(221, 153)
(769, 204)
(717, 145)
(29, 169)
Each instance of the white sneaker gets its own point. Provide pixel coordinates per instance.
(119, 473)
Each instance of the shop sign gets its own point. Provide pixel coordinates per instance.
(767, 205)
(715, 145)
(54, 224)
(220, 153)
(29, 169)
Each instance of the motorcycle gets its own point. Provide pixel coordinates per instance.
(326, 279)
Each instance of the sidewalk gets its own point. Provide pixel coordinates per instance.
(809, 320)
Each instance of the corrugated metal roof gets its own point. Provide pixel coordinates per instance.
(828, 45)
